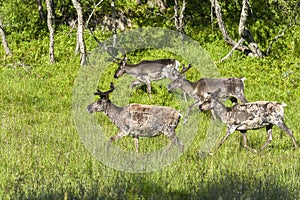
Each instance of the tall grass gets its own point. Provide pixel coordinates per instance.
(43, 157)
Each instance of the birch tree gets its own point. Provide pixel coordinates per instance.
(246, 43)
(114, 25)
(80, 33)
(50, 23)
(4, 41)
(179, 17)
(245, 33)
(40, 9)
(236, 45)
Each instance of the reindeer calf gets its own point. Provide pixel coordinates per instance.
(232, 88)
(138, 120)
(248, 116)
(229, 88)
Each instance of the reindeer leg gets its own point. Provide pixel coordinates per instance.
(119, 135)
(136, 144)
(198, 102)
(148, 86)
(134, 83)
(184, 96)
(283, 127)
(269, 137)
(230, 130)
(245, 142)
(174, 139)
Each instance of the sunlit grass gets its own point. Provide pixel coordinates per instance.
(43, 157)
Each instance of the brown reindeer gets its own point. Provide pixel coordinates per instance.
(138, 120)
(148, 70)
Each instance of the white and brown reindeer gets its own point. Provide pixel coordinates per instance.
(138, 120)
(229, 88)
(248, 116)
(148, 70)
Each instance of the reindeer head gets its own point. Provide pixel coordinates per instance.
(121, 69)
(101, 104)
(177, 83)
(209, 100)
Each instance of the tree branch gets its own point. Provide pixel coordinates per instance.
(275, 39)
(282, 32)
(93, 11)
(231, 51)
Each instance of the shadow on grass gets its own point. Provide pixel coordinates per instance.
(139, 187)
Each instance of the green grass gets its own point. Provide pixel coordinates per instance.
(43, 157)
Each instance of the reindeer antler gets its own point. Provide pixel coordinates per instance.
(103, 94)
(120, 49)
(184, 69)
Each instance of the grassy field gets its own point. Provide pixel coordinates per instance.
(43, 157)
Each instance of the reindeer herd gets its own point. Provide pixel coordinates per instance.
(139, 120)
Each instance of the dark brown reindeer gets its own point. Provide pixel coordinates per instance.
(138, 120)
(148, 70)
(230, 88)
(248, 116)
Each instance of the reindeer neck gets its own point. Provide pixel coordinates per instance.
(220, 109)
(187, 86)
(132, 69)
(112, 111)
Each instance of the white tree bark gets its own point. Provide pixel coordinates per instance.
(245, 33)
(252, 49)
(50, 23)
(223, 29)
(114, 25)
(80, 32)
(4, 41)
(161, 4)
(40, 9)
(179, 23)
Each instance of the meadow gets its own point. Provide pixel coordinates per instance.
(43, 156)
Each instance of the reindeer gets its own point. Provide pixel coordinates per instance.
(230, 88)
(148, 70)
(138, 120)
(248, 116)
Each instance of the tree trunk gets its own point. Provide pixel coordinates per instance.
(224, 32)
(179, 23)
(40, 9)
(80, 32)
(50, 23)
(161, 4)
(114, 25)
(4, 41)
(245, 33)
